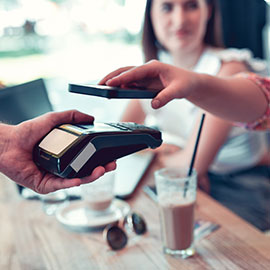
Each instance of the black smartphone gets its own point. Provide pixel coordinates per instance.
(111, 92)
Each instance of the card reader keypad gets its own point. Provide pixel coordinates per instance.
(128, 126)
(119, 126)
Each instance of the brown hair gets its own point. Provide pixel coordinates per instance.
(150, 44)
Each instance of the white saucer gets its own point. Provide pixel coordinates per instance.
(78, 217)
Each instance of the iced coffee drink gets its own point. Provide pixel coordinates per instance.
(177, 219)
(176, 199)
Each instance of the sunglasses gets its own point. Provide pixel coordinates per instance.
(115, 234)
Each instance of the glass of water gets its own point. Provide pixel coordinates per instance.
(51, 202)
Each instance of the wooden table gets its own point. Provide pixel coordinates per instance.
(29, 239)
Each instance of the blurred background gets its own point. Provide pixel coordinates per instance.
(69, 41)
(82, 40)
(75, 39)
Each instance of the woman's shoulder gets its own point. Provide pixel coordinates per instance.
(240, 55)
(217, 60)
(231, 54)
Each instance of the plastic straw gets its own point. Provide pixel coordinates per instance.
(194, 153)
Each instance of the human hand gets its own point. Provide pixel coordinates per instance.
(171, 82)
(16, 152)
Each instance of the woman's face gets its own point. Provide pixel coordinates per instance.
(179, 24)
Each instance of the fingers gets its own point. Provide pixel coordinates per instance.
(72, 116)
(113, 74)
(97, 173)
(110, 166)
(65, 183)
(135, 74)
(138, 73)
(53, 183)
(43, 124)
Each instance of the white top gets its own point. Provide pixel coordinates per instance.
(243, 149)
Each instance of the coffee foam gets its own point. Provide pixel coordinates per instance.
(174, 199)
(100, 201)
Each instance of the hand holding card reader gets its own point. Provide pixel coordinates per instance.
(72, 151)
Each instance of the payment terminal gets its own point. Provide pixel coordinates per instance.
(72, 151)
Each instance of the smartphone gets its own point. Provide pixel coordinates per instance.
(111, 92)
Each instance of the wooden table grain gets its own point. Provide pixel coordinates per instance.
(29, 239)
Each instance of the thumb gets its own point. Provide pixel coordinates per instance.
(69, 117)
(33, 130)
(164, 96)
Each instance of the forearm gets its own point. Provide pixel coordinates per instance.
(235, 99)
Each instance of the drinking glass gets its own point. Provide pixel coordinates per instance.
(51, 202)
(176, 191)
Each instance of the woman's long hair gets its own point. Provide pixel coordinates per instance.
(150, 44)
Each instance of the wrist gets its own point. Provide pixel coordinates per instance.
(200, 81)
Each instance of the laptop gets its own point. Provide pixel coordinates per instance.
(23, 102)
(129, 172)
(28, 100)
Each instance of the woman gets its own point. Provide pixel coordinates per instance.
(181, 32)
(185, 33)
